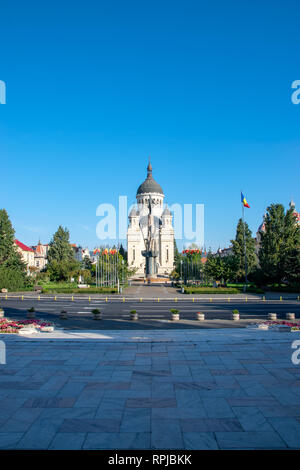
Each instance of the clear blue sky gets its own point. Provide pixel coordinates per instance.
(95, 87)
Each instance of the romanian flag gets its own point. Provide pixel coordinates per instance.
(244, 201)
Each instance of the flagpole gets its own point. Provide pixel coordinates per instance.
(245, 249)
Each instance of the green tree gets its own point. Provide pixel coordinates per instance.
(86, 263)
(292, 266)
(61, 262)
(177, 255)
(123, 252)
(12, 267)
(244, 233)
(221, 268)
(280, 243)
(59, 247)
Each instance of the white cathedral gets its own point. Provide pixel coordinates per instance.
(162, 230)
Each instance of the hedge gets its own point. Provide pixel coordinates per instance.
(90, 290)
(211, 290)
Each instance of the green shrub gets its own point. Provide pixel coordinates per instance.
(174, 311)
(70, 290)
(96, 311)
(211, 290)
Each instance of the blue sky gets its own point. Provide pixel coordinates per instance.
(93, 88)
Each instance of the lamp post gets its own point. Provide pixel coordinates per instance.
(181, 263)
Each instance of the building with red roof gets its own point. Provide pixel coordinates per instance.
(26, 253)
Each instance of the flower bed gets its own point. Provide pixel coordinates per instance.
(281, 323)
(14, 326)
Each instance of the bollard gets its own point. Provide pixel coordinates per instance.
(22, 297)
(246, 299)
(89, 299)
(175, 299)
(106, 299)
(210, 299)
(228, 299)
(280, 298)
(290, 316)
(55, 297)
(6, 297)
(175, 316)
(123, 299)
(134, 315)
(157, 299)
(72, 298)
(264, 298)
(141, 300)
(193, 299)
(272, 316)
(235, 315)
(200, 316)
(39, 297)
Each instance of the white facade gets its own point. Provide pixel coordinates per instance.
(163, 232)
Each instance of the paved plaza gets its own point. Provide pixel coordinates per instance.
(154, 389)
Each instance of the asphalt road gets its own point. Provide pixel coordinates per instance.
(152, 314)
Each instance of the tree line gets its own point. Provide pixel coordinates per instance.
(273, 258)
(61, 262)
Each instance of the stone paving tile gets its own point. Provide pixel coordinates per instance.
(124, 440)
(67, 441)
(136, 420)
(288, 429)
(40, 402)
(217, 408)
(151, 402)
(265, 401)
(161, 389)
(199, 441)
(89, 398)
(225, 372)
(250, 439)
(285, 395)
(11, 404)
(9, 440)
(179, 413)
(71, 388)
(21, 420)
(90, 425)
(278, 411)
(166, 434)
(47, 362)
(26, 385)
(251, 418)
(107, 386)
(39, 436)
(210, 424)
(256, 390)
(188, 398)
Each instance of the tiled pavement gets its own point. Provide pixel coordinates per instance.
(223, 389)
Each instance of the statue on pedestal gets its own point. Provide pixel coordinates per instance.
(150, 252)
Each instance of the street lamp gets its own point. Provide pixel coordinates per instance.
(181, 263)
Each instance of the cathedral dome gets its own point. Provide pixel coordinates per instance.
(149, 185)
